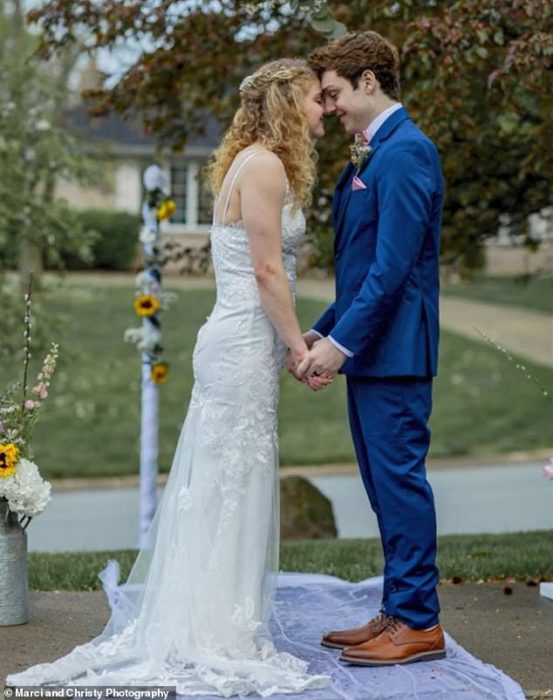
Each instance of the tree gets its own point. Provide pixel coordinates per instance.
(477, 76)
(35, 151)
(483, 78)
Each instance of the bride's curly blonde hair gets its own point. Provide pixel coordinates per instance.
(272, 113)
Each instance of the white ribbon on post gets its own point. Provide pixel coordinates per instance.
(153, 179)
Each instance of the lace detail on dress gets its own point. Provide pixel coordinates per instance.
(195, 608)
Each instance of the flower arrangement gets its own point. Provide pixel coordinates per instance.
(21, 485)
(149, 300)
(360, 151)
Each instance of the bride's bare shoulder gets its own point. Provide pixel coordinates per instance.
(265, 164)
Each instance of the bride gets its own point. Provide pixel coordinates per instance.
(194, 612)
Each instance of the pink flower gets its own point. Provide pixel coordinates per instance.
(40, 390)
(425, 24)
(29, 405)
(548, 469)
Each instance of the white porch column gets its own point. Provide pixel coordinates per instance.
(128, 187)
(192, 193)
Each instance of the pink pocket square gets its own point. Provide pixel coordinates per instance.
(357, 184)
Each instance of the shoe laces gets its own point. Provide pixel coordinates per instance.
(392, 623)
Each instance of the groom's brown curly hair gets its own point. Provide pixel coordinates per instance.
(356, 52)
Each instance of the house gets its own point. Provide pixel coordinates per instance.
(122, 151)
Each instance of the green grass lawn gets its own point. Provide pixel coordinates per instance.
(535, 293)
(523, 555)
(90, 425)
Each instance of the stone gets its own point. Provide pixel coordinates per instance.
(305, 513)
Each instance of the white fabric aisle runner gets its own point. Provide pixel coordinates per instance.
(308, 604)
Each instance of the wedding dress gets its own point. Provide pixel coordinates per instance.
(194, 612)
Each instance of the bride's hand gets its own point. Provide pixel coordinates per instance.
(316, 383)
(293, 358)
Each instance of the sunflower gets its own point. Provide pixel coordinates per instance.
(146, 305)
(159, 373)
(8, 459)
(166, 210)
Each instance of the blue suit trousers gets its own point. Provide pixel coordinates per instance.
(388, 419)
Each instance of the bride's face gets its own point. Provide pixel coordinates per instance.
(314, 110)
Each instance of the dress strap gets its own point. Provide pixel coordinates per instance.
(247, 157)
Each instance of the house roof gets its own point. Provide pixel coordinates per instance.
(125, 136)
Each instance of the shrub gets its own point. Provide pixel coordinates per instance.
(115, 244)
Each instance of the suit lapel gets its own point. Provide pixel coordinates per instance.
(339, 191)
(385, 131)
(347, 196)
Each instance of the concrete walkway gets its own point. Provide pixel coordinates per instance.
(512, 632)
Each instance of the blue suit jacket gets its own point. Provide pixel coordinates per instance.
(386, 250)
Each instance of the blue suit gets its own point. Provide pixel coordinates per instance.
(386, 313)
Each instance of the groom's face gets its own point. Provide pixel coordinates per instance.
(351, 105)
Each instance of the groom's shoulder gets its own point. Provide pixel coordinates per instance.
(410, 138)
(412, 131)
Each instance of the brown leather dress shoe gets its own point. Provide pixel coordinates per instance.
(397, 644)
(357, 635)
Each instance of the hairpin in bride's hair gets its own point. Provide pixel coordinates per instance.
(245, 84)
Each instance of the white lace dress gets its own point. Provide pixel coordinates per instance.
(194, 612)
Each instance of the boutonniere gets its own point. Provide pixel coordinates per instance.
(360, 150)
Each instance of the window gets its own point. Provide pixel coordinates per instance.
(193, 199)
(179, 180)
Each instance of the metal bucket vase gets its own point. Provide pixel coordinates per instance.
(13, 569)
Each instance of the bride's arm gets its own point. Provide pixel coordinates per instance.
(262, 190)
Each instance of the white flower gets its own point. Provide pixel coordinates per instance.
(145, 339)
(9, 409)
(152, 337)
(29, 156)
(168, 298)
(134, 335)
(42, 125)
(154, 178)
(26, 491)
(147, 235)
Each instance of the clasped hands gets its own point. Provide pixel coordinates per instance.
(316, 367)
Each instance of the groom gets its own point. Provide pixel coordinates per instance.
(382, 333)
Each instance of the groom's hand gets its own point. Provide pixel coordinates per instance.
(314, 383)
(310, 338)
(324, 358)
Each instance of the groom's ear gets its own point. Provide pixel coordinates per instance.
(368, 81)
